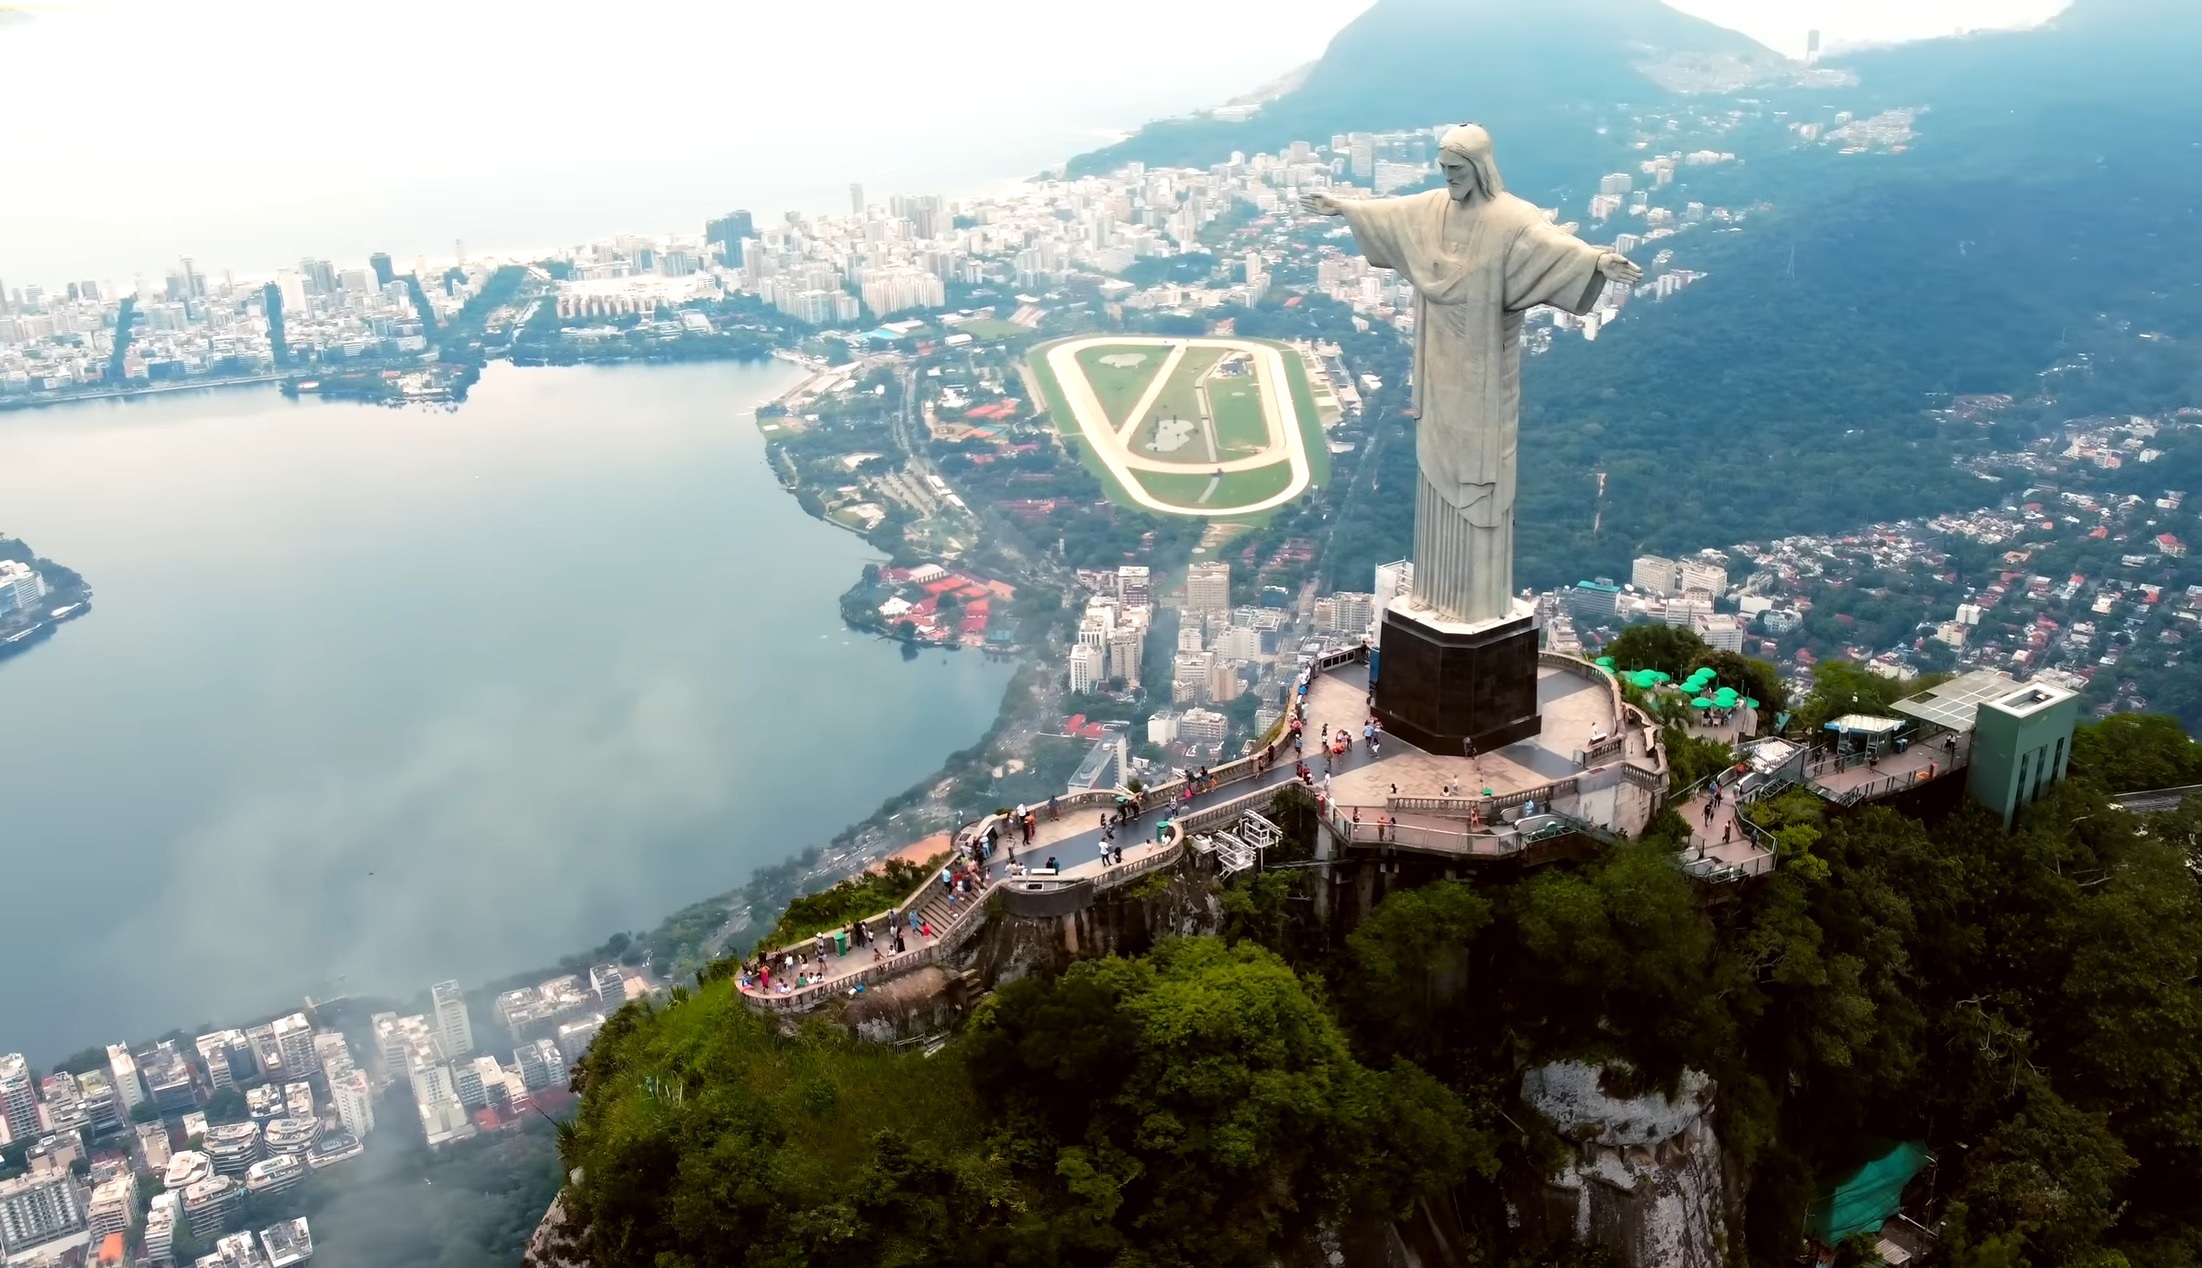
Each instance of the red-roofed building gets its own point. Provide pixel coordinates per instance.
(2171, 546)
(1076, 725)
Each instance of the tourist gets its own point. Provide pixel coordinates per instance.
(925, 928)
(1054, 807)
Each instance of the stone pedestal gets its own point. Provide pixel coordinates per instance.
(1442, 685)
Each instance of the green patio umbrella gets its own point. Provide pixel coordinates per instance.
(1603, 662)
(1645, 679)
(1726, 697)
(1749, 703)
(1701, 703)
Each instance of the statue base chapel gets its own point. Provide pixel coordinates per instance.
(1454, 688)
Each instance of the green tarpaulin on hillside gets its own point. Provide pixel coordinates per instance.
(1863, 1201)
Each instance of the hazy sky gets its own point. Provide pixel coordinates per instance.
(247, 133)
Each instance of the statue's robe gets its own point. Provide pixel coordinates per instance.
(1477, 267)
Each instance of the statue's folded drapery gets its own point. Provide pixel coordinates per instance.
(1477, 266)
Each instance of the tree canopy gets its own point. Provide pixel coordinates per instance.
(2025, 1003)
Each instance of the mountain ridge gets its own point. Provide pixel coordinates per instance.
(1545, 75)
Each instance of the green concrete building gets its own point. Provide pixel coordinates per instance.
(2022, 744)
(2019, 735)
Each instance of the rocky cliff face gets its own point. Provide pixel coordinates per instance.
(1646, 1181)
(1126, 921)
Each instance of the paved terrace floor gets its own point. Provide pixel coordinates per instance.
(1574, 709)
(1896, 771)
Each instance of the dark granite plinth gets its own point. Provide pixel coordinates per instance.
(1441, 687)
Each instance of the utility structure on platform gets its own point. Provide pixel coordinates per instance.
(1458, 671)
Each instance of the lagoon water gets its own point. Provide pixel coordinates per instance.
(370, 698)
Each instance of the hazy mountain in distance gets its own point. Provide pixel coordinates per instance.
(1541, 76)
(2045, 214)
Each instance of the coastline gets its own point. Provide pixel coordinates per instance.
(704, 918)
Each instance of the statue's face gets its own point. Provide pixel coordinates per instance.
(1460, 175)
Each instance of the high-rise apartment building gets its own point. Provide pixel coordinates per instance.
(99, 1102)
(124, 1067)
(1132, 581)
(1086, 667)
(20, 587)
(541, 1064)
(856, 199)
(1208, 588)
(294, 1041)
(384, 273)
(1653, 574)
(1697, 575)
(610, 986)
(453, 1027)
(354, 1098)
(18, 1097)
(114, 1204)
(466, 1078)
(168, 1079)
(727, 233)
(1124, 652)
(1351, 611)
(39, 1208)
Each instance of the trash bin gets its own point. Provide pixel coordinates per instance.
(841, 941)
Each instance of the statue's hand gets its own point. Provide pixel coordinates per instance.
(1320, 204)
(1615, 267)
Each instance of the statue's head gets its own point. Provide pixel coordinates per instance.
(1465, 158)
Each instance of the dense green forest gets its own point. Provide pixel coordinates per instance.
(2026, 1003)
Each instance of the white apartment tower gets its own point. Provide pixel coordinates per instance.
(128, 1085)
(453, 1026)
(355, 1102)
(1086, 665)
(294, 1040)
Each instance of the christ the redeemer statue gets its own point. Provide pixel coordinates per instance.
(1479, 258)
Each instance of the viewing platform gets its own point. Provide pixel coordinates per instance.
(1595, 771)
